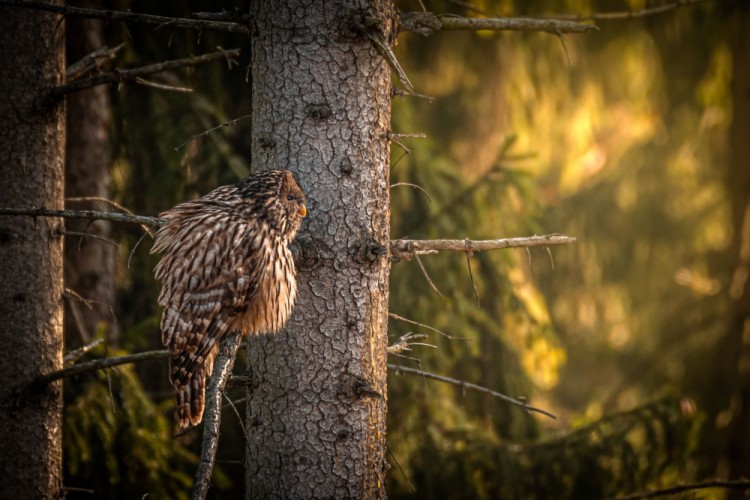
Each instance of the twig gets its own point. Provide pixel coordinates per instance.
(119, 75)
(471, 275)
(91, 61)
(142, 220)
(397, 92)
(415, 186)
(680, 488)
(74, 355)
(132, 17)
(99, 364)
(217, 127)
(162, 86)
(426, 23)
(404, 343)
(468, 385)
(223, 365)
(411, 321)
(390, 57)
(427, 276)
(630, 14)
(65, 232)
(406, 249)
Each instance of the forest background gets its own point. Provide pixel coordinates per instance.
(634, 337)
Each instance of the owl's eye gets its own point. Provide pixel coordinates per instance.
(290, 197)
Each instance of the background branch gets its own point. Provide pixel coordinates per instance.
(132, 17)
(426, 23)
(118, 76)
(681, 488)
(99, 364)
(629, 14)
(469, 385)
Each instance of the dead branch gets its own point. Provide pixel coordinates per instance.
(132, 17)
(223, 365)
(426, 23)
(121, 75)
(217, 127)
(406, 249)
(73, 356)
(412, 322)
(742, 484)
(629, 14)
(91, 61)
(468, 385)
(99, 364)
(142, 220)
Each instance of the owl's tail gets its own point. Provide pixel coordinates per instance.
(188, 376)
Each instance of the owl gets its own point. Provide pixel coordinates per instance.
(225, 267)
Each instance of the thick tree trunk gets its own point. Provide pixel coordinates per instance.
(321, 107)
(31, 314)
(89, 262)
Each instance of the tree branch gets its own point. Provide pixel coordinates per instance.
(223, 365)
(629, 14)
(426, 23)
(118, 76)
(99, 364)
(132, 17)
(406, 249)
(141, 220)
(93, 60)
(469, 385)
(714, 483)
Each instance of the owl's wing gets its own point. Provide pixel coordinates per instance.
(212, 265)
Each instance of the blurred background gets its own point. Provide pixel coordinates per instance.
(634, 139)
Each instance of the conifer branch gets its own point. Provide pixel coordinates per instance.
(629, 14)
(426, 23)
(132, 17)
(469, 385)
(223, 365)
(120, 75)
(406, 249)
(742, 484)
(99, 364)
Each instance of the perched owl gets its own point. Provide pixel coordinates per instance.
(225, 267)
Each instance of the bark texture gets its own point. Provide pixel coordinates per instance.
(31, 168)
(89, 262)
(321, 107)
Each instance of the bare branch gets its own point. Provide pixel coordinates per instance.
(426, 23)
(742, 484)
(118, 76)
(468, 385)
(73, 356)
(91, 61)
(406, 249)
(411, 321)
(415, 186)
(217, 127)
(141, 220)
(162, 86)
(132, 17)
(212, 416)
(385, 50)
(427, 276)
(629, 14)
(99, 364)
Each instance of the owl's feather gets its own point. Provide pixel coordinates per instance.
(226, 267)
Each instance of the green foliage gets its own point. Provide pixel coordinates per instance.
(119, 443)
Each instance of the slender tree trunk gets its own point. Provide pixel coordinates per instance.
(89, 262)
(31, 314)
(739, 290)
(321, 107)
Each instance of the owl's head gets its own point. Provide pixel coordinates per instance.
(292, 201)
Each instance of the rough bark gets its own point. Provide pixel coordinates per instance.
(31, 168)
(321, 107)
(89, 262)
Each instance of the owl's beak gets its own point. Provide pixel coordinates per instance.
(302, 211)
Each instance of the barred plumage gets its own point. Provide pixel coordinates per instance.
(226, 267)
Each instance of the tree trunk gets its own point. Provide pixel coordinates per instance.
(89, 262)
(739, 291)
(32, 139)
(321, 107)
